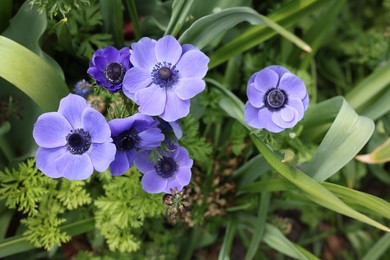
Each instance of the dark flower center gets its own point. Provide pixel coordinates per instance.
(275, 99)
(126, 140)
(164, 74)
(166, 167)
(114, 72)
(78, 141)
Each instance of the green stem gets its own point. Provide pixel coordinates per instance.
(130, 5)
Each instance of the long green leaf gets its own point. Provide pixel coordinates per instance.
(224, 253)
(224, 20)
(259, 225)
(287, 15)
(379, 248)
(275, 239)
(18, 244)
(113, 20)
(180, 10)
(369, 90)
(31, 74)
(345, 138)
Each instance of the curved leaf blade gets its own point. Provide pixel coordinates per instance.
(224, 20)
(31, 74)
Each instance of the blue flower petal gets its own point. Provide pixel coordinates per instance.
(151, 100)
(182, 157)
(266, 79)
(51, 129)
(143, 162)
(135, 79)
(251, 116)
(265, 120)
(173, 184)
(120, 125)
(102, 155)
(72, 107)
(193, 64)
(285, 118)
(150, 138)
(111, 54)
(183, 176)
(187, 88)
(46, 158)
(153, 183)
(298, 105)
(168, 49)
(175, 108)
(120, 165)
(278, 69)
(74, 167)
(143, 54)
(293, 86)
(95, 124)
(256, 97)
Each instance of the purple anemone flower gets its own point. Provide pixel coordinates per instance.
(108, 67)
(129, 134)
(170, 170)
(83, 88)
(73, 141)
(277, 99)
(165, 77)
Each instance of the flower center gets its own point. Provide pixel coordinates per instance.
(78, 141)
(166, 167)
(126, 140)
(114, 72)
(164, 74)
(275, 99)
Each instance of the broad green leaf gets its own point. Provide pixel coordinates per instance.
(370, 90)
(380, 155)
(31, 74)
(380, 247)
(275, 239)
(289, 14)
(18, 244)
(347, 135)
(224, 20)
(26, 28)
(310, 187)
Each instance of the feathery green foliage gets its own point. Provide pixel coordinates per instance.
(57, 7)
(122, 211)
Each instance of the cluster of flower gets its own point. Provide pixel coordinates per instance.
(160, 77)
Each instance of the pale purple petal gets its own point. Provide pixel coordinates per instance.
(193, 64)
(278, 69)
(150, 138)
(168, 49)
(95, 124)
(175, 108)
(51, 129)
(131, 155)
(135, 79)
(188, 47)
(189, 87)
(266, 79)
(176, 129)
(153, 183)
(293, 86)
(251, 116)
(256, 97)
(183, 176)
(74, 167)
(182, 157)
(120, 125)
(265, 120)
(72, 107)
(101, 155)
(173, 184)
(285, 118)
(143, 54)
(143, 162)
(46, 158)
(120, 165)
(151, 100)
(298, 105)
